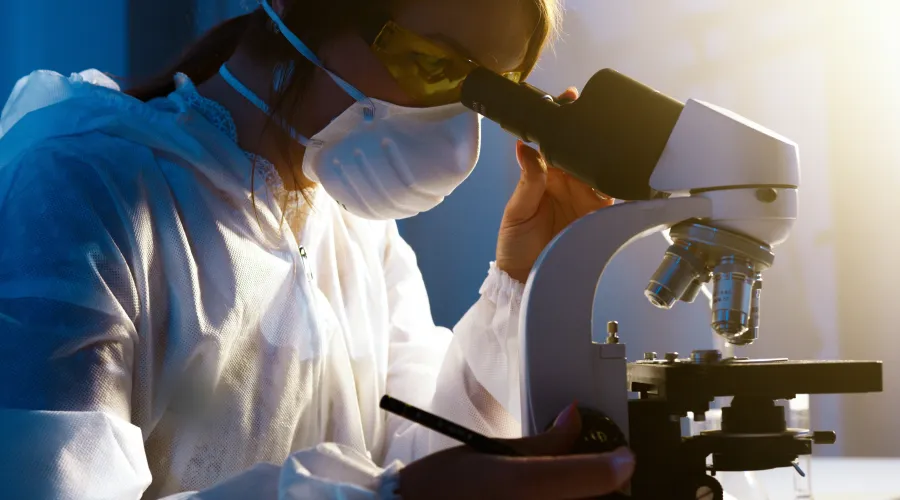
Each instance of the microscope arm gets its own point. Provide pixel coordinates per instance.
(560, 364)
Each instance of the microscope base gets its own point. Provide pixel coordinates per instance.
(754, 435)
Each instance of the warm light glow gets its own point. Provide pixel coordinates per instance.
(874, 23)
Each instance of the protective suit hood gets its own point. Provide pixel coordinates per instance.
(45, 104)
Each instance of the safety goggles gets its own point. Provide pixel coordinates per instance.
(426, 71)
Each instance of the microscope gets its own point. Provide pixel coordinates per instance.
(723, 190)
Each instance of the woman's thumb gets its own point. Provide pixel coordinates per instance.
(568, 421)
(559, 439)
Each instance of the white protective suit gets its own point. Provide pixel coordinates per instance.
(154, 321)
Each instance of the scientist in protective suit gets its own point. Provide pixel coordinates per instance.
(202, 286)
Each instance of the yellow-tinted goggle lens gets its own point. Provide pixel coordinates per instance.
(425, 71)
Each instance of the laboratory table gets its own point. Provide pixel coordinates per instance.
(832, 479)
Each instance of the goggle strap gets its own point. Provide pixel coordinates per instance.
(309, 55)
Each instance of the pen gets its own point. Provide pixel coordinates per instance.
(478, 442)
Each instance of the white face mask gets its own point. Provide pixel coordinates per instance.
(379, 160)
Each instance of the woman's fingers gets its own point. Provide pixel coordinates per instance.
(549, 472)
(584, 199)
(570, 94)
(527, 197)
(559, 440)
(571, 476)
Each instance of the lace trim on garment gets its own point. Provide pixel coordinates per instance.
(221, 118)
(291, 203)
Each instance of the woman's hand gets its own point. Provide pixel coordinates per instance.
(545, 474)
(543, 204)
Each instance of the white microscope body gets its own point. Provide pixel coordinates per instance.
(732, 196)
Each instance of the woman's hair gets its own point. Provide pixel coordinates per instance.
(314, 22)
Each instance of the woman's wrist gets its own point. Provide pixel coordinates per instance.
(520, 276)
(500, 286)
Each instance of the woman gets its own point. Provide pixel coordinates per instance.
(204, 274)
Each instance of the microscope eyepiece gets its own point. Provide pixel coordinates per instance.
(517, 107)
(610, 138)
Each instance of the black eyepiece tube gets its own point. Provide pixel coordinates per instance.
(610, 138)
(519, 108)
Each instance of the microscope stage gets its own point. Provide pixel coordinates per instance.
(691, 381)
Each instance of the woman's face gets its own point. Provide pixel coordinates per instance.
(494, 33)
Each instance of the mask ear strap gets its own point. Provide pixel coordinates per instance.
(311, 57)
(259, 103)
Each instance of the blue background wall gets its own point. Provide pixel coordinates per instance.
(66, 36)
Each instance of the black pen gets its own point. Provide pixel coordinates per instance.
(478, 442)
